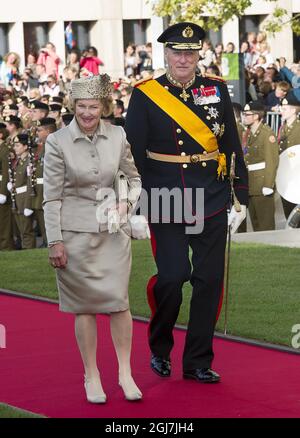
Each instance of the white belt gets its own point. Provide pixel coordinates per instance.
(40, 180)
(1, 177)
(257, 166)
(20, 190)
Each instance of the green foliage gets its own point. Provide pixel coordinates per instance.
(213, 14)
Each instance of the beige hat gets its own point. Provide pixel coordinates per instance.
(95, 87)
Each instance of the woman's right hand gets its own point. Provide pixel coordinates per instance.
(57, 256)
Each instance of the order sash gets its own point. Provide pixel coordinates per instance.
(182, 115)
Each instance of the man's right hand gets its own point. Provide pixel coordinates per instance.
(57, 256)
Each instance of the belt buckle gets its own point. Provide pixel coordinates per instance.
(195, 158)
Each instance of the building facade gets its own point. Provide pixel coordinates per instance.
(110, 25)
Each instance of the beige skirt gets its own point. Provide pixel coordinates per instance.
(97, 274)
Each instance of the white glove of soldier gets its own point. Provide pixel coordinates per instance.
(266, 191)
(113, 221)
(3, 199)
(28, 212)
(9, 186)
(139, 227)
(236, 218)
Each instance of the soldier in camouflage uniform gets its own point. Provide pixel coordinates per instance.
(289, 135)
(261, 153)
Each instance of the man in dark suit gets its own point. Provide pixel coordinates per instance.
(181, 128)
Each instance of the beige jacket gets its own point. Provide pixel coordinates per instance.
(75, 168)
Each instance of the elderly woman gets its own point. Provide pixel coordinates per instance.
(92, 260)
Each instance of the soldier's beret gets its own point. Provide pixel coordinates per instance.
(46, 121)
(254, 106)
(183, 36)
(56, 99)
(290, 99)
(13, 119)
(67, 118)
(23, 99)
(22, 138)
(11, 107)
(37, 104)
(55, 107)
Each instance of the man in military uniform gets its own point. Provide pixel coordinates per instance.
(6, 240)
(181, 128)
(261, 156)
(22, 187)
(289, 135)
(45, 127)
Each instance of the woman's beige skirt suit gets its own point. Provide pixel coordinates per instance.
(76, 170)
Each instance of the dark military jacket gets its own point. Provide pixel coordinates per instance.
(149, 128)
(289, 135)
(23, 200)
(262, 147)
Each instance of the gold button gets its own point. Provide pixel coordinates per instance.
(208, 117)
(185, 166)
(178, 131)
(166, 87)
(204, 164)
(201, 86)
(204, 153)
(206, 107)
(183, 154)
(180, 142)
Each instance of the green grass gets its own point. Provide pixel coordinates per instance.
(264, 287)
(10, 412)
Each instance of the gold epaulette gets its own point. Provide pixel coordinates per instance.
(143, 81)
(215, 78)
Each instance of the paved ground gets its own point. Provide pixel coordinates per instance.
(279, 237)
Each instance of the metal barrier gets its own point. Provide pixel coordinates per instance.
(274, 121)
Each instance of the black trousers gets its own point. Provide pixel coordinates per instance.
(171, 245)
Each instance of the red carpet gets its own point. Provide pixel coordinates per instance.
(40, 371)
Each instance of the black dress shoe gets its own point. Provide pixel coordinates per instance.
(160, 366)
(202, 375)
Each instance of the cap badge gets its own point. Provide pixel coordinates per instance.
(188, 32)
(247, 108)
(284, 102)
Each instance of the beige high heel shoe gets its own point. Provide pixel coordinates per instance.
(133, 394)
(93, 391)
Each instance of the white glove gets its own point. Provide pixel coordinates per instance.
(139, 227)
(9, 186)
(236, 218)
(3, 199)
(28, 212)
(113, 221)
(266, 191)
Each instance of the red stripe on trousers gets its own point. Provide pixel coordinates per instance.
(220, 303)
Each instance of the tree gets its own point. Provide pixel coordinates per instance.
(213, 14)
